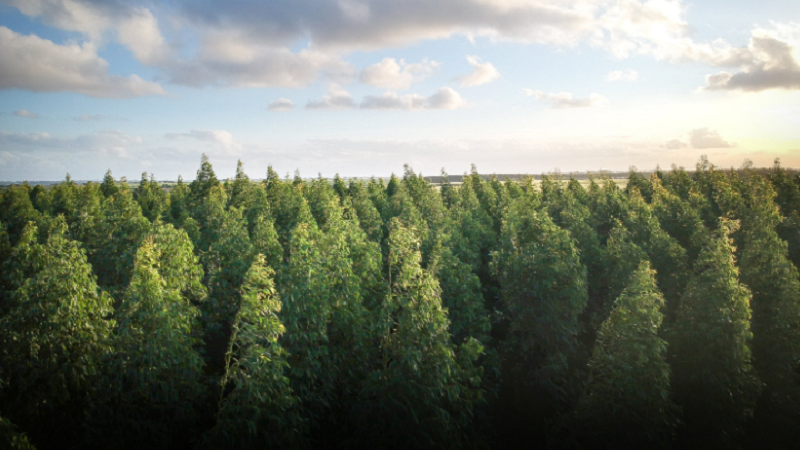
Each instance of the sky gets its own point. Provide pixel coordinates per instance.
(362, 87)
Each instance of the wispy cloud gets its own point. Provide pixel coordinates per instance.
(281, 104)
(703, 138)
(482, 73)
(566, 100)
(337, 98)
(623, 75)
(25, 113)
(444, 98)
(391, 74)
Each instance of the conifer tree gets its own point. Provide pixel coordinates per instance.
(240, 188)
(626, 401)
(787, 189)
(178, 202)
(265, 242)
(52, 335)
(775, 284)
(416, 392)
(679, 218)
(713, 378)
(41, 199)
(113, 238)
(152, 383)
(623, 258)
(152, 198)
(544, 290)
(228, 260)
(16, 210)
(258, 408)
(668, 258)
(109, 185)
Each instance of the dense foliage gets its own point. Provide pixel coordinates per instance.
(304, 313)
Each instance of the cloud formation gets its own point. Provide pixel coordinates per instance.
(772, 62)
(391, 74)
(482, 73)
(623, 75)
(281, 104)
(39, 65)
(703, 138)
(25, 113)
(337, 98)
(218, 138)
(444, 98)
(565, 100)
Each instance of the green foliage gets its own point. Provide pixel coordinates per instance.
(544, 290)
(11, 439)
(714, 381)
(666, 255)
(417, 395)
(151, 384)
(16, 210)
(206, 179)
(679, 218)
(258, 408)
(637, 181)
(54, 331)
(625, 403)
(151, 198)
(775, 284)
(112, 238)
(473, 315)
(264, 238)
(109, 185)
(178, 202)
(228, 260)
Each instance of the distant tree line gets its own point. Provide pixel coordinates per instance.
(292, 313)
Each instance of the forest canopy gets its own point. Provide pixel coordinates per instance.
(485, 313)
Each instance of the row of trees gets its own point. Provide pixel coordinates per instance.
(300, 313)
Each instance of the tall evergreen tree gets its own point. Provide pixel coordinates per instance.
(775, 284)
(626, 402)
(416, 395)
(714, 381)
(152, 379)
(52, 336)
(258, 408)
(544, 290)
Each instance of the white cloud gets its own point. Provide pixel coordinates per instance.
(337, 98)
(251, 44)
(26, 113)
(482, 73)
(140, 33)
(773, 63)
(703, 138)
(565, 100)
(444, 98)
(675, 144)
(390, 100)
(390, 74)
(36, 64)
(623, 75)
(218, 136)
(281, 104)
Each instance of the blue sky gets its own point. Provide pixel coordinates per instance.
(361, 87)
